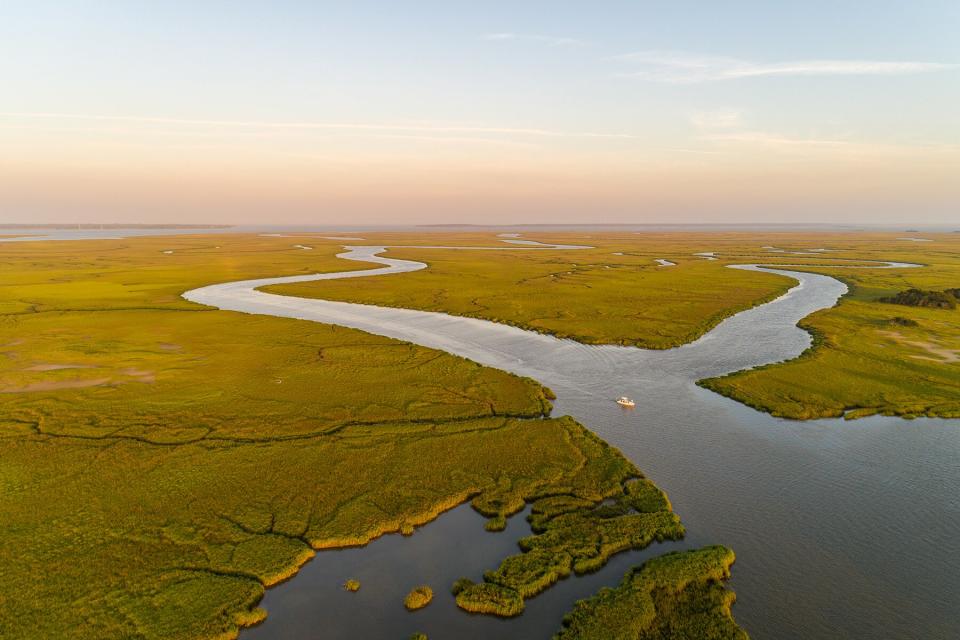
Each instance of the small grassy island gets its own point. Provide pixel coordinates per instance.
(678, 595)
(418, 598)
(574, 532)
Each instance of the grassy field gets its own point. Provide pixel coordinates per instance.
(613, 294)
(163, 463)
(865, 360)
(678, 595)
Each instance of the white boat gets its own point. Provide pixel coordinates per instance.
(624, 401)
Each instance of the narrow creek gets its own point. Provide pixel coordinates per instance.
(841, 529)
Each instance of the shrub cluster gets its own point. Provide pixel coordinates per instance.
(900, 321)
(946, 299)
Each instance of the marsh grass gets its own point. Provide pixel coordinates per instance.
(589, 295)
(418, 598)
(677, 595)
(485, 597)
(574, 532)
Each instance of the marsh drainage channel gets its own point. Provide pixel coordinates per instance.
(841, 529)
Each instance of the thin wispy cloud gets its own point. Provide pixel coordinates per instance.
(773, 139)
(332, 126)
(847, 143)
(553, 41)
(682, 67)
(717, 119)
(728, 125)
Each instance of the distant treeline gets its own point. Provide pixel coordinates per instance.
(946, 299)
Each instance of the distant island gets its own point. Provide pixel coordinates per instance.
(115, 225)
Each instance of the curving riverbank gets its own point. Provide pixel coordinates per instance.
(809, 540)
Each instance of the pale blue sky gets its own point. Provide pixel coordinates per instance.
(471, 112)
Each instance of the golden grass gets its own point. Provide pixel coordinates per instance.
(418, 598)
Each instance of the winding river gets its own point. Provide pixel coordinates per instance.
(841, 529)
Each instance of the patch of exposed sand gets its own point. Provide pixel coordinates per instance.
(52, 385)
(141, 375)
(56, 367)
(943, 354)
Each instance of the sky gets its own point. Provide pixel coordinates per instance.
(361, 112)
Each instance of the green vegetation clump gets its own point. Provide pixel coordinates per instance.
(646, 497)
(418, 598)
(900, 321)
(352, 585)
(678, 595)
(920, 298)
(418, 636)
(485, 597)
(574, 532)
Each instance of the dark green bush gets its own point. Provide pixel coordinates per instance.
(921, 298)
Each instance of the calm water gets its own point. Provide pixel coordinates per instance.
(841, 529)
